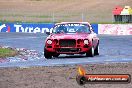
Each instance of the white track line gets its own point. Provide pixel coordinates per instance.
(21, 38)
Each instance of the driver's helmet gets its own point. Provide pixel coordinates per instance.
(62, 29)
(82, 29)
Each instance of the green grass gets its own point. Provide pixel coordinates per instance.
(46, 21)
(109, 23)
(41, 16)
(19, 21)
(5, 52)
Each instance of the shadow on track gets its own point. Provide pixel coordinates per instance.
(75, 56)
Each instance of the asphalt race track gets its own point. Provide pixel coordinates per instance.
(113, 49)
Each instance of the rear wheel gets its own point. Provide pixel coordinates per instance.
(96, 51)
(47, 54)
(90, 53)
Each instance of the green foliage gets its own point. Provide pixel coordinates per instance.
(5, 52)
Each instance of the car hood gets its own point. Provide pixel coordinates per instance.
(69, 36)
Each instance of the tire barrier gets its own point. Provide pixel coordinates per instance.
(122, 14)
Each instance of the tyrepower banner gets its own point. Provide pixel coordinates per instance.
(115, 29)
(32, 27)
(26, 27)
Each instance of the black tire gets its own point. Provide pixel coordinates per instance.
(81, 80)
(90, 53)
(96, 51)
(56, 55)
(47, 54)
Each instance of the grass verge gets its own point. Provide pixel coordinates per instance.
(5, 52)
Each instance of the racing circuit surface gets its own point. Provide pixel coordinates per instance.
(112, 49)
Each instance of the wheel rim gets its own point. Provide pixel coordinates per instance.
(92, 51)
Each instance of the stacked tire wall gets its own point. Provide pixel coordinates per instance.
(123, 15)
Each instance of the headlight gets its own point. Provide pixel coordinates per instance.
(86, 42)
(49, 41)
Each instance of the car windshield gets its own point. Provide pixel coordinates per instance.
(71, 28)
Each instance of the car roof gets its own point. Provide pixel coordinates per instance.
(73, 22)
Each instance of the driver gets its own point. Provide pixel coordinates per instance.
(62, 29)
(82, 29)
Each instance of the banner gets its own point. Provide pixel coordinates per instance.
(31, 27)
(112, 29)
(26, 27)
(95, 27)
(115, 29)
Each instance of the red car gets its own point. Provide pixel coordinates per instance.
(71, 38)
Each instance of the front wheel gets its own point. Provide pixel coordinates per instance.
(56, 55)
(90, 53)
(47, 54)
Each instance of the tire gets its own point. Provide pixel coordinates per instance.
(47, 54)
(96, 51)
(56, 55)
(81, 80)
(90, 53)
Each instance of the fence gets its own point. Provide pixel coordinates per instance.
(58, 17)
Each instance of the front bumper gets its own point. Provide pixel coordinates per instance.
(69, 50)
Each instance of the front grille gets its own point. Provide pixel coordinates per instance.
(68, 50)
(67, 43)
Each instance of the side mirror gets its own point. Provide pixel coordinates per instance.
(93, 30)
(48, 33)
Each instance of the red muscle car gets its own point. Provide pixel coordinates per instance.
(71, 38)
